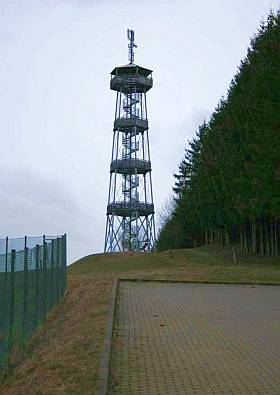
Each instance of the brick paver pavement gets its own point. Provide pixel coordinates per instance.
(172, 338)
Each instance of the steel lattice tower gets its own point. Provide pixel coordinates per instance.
(130, 222)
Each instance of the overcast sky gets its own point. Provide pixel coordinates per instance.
(57, 110)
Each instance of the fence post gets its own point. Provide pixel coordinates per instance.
(65, 262)
(45, 291)
(12, 298)
(37, 257)
(6, 261)
(25, 293)
(61, 264)
(52, 275)
(57, 270)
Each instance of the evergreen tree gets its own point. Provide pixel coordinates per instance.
(227, 188)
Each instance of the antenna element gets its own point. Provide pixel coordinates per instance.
(131, 45)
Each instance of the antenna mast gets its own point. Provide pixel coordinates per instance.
(131, 45)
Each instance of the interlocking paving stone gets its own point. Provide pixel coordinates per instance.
(175, 338)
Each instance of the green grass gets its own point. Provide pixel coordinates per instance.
(206, 263)
(122, 263)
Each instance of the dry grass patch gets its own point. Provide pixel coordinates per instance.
(61, 359)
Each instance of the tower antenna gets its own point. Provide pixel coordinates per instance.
(131, 45)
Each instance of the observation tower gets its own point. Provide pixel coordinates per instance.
(130, 222)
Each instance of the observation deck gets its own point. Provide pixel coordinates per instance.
(131, 78)
(127, 209)
(127, 124)
(130, 166)
(128, 83)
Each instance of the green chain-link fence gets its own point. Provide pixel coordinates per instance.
(32, 281)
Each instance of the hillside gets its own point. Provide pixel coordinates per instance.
(63, 357)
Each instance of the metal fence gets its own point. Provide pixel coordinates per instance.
(32, 281)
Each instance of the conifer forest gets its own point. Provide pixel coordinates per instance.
(227, 188)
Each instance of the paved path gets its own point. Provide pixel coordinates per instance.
(196, 339)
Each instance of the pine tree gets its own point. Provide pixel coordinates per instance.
(227, 187)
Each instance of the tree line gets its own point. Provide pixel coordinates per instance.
(227, 189)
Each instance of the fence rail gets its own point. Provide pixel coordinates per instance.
(32, 281)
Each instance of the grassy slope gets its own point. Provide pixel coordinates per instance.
(63, 356)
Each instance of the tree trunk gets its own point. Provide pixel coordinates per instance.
(271, 236)
(245, 241)
(261, 240)
(218, 235)
(206, 236)
(267, 246)
(241, 238)
(227, 238)
(276, 237)
(223, 236)
(253, 235)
